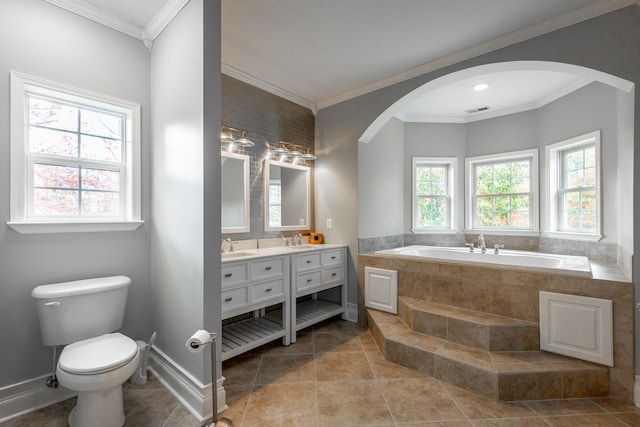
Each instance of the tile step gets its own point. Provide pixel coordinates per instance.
(497, 375)
(484, 331)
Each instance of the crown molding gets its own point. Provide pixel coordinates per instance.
(268, 87)
(147, 35)
(550, 25)
(98, 15)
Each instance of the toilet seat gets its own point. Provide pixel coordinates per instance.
(97, 355)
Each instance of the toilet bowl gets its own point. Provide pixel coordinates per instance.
(83, 315)
(96, 368)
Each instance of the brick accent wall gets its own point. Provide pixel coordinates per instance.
(265, 117)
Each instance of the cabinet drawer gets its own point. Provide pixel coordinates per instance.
(235, 298)
(267, 290)
(234, 274)
(267, 268)
(308, 280)
(332, 274)
(307, 261)
(332, 257)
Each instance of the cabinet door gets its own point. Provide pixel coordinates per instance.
(233, 299)
(332, 257)
(332, 274)
(308, 280)
(307, 261)
(264, 269)
(265, 291)
(234, 274)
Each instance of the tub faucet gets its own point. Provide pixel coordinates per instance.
(497, 249)
(471, 245)
(481, 244)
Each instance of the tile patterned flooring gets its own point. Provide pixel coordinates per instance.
(334, 375)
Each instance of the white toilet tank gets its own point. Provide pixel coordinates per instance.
(74, 311)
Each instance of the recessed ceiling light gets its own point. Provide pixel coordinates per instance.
(478, 87)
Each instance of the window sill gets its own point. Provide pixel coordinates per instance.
(572, 236)
(73, 227)
(434, 231)
(490, 232)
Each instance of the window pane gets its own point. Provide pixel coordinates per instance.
(501, 171)
(520, 219)
(520, 185)
(520, 203)
(97, 179)
(575, 179)
(101, 124)
(590, 157)
(54, 176)
(588, 200)
(484, 187)
(484, 172)
(574, 160)
(501, 186)
(100, 203)
(520, 169)
(589, 220)
(423, 188)
(95, 148)
(52, 114)
(55, 202)
(432, 212)
(55, 142)
(590, 177)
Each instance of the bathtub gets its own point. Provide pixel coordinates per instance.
(519, 260)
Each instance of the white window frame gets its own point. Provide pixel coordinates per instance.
(451, 163)
(553, 153)
(21, 163)
(472, 162)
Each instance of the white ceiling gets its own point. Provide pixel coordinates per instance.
(320, 52)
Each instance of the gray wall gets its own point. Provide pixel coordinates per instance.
(43, 40)
(380, 174)
(177, 232)
(607, 43)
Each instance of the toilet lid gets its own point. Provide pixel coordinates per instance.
(99, 354)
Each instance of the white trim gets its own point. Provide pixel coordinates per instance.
(28, 396)
(552, 152)
(435, 231)
(451, 164)
(268, 87)
(498, 113)
(147, 35)
(100, 16)
(190, 392)
(267, 164)
(352, 312)
(20, 220)
(502, 232)
(535, 193)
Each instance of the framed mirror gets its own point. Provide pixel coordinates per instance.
(235, 192)
(287, 192)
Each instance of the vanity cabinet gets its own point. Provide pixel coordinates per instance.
(249, 287)
(312, 273)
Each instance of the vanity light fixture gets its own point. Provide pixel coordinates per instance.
(233, 136)
(289, 151)
(479, 87)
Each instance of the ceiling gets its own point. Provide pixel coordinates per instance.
(321, 52)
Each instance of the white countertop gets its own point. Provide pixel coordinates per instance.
(246, 254)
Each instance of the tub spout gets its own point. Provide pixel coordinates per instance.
(481, 243)
(497, 249)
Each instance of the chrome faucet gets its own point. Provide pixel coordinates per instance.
(297, 240)
(223, 245)
(286, 240)
(481, 244)
(471, 245)
(497, 249)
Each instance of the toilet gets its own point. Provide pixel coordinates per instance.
(83, 316)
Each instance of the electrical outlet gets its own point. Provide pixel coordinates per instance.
(328, 223)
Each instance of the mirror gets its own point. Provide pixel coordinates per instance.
(235, 192)
(287, 190)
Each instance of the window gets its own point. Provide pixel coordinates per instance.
(75, 159)
(432, 184)
(574, 186)
(502, 191)
(275, 203)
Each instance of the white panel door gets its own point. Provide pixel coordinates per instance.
(381, 289)
(577, 326)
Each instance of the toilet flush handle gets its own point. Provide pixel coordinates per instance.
(53, 304)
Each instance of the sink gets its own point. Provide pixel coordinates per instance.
(238, 254)
(303, 247)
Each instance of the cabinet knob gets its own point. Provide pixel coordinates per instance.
(268, 290)
(308, 261)
(334, 274)
(333, 257)
(228, 275)
(228, 299)
(309, 280)
(268, 267)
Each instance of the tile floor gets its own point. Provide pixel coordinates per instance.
(334, 375)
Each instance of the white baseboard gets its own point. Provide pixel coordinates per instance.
(28, 396)
(194, 395)
(352, 312)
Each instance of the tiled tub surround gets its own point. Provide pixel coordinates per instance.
(512, 294)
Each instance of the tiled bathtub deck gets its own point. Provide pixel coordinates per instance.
(335, 375)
